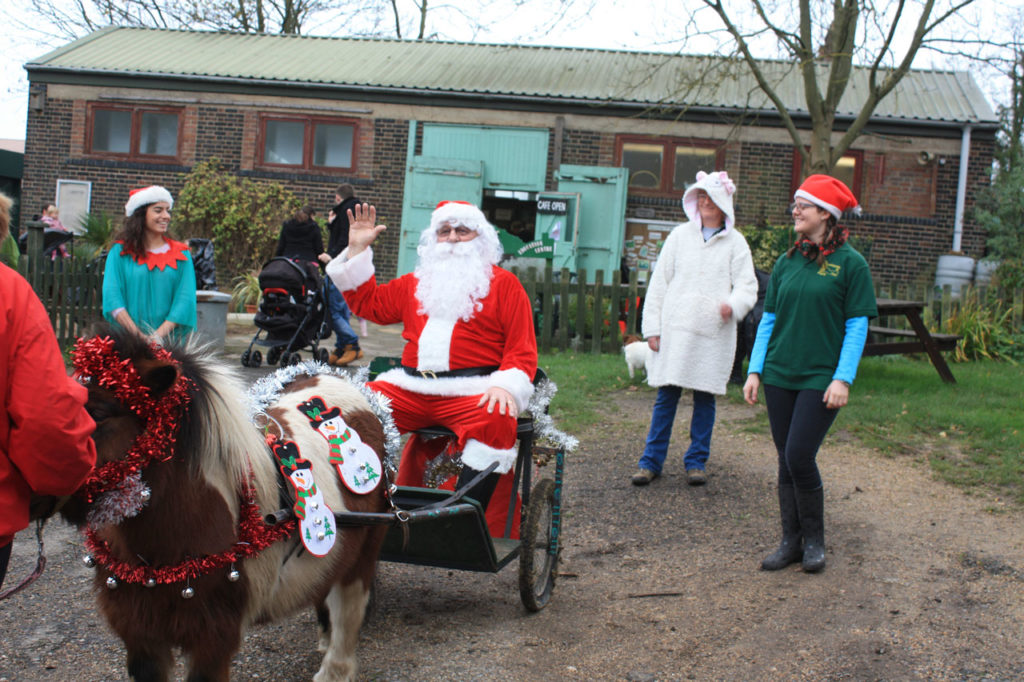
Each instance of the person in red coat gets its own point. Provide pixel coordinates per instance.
(45, 432)
(470, 353)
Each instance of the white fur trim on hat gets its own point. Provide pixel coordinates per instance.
(719, 188)
(468, 215)
(146, 196)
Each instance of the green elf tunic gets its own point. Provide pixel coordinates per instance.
(811, 303)
(158, 287)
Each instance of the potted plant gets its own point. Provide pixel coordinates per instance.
(246, 292)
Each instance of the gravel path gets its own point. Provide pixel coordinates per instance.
(657, 583)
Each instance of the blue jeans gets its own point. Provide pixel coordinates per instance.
(702, 422)
(337, 308)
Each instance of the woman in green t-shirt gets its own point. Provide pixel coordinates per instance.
(806, 353)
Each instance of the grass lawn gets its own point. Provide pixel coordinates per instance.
(971, 433)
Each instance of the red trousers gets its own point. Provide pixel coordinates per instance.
(461, 415)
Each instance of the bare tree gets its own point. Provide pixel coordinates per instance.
(79, 17)
(824, 42)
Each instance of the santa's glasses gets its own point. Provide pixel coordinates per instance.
(461, 232)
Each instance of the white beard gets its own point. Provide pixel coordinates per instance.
(453, 279)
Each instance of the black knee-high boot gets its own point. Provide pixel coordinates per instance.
(789, 550)
(811, 506)
(483, 490)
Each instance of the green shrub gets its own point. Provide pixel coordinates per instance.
(99, 229)
(767, 243)
(242, 216)
(9, 251)
(984, 326)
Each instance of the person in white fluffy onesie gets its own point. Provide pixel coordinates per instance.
(703, 284)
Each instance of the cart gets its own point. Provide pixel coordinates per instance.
(440, 528)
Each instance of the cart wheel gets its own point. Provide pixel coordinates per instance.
(536, 565)
(294, 358)
(256, 359)
(273, 355)
(286, 358)
(322, 355)
(245, 358)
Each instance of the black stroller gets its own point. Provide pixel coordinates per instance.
(291, 316)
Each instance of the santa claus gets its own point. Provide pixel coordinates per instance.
(470, 352)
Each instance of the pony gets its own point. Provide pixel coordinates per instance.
(174, 512)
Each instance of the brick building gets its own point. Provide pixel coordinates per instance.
(582, 147)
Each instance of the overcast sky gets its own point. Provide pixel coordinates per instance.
(607, 24)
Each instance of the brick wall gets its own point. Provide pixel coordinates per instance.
(909, 207)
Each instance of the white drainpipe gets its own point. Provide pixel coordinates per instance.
(961, 188)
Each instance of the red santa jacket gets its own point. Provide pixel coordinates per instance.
(500, 334)
(45, 432)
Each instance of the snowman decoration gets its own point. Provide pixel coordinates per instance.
(316, 520)
(357, 463)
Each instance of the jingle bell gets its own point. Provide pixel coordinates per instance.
(188, 593)
(234, 575)
(150, 582)
(89, 561)
(111, 583)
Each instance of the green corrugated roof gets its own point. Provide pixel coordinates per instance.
(636, 79)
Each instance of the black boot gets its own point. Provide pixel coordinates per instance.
(789, 551)
(483, 490)
(811, 505)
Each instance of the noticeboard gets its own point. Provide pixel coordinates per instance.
(73, 200)
(644, 239)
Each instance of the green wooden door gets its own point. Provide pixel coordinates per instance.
(430, 180)
(513, 158)
(602, 215)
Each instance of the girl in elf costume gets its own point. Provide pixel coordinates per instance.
(149, 286)
(806, 353)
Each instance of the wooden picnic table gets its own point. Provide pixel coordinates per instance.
(917, 339)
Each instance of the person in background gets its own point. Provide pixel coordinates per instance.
(470, 354)
(702, 284)
(301, 240)
(149, 285)
(806, 353)
(45, 434)
(346, 348)
(51, 216)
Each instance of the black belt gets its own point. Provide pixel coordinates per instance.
(464, 372)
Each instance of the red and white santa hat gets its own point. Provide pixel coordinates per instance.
(144, 196)
(463, 213)
(829, 193)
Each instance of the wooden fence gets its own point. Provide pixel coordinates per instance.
(569, 313)
(70, 288)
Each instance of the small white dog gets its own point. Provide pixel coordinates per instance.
(637, 353)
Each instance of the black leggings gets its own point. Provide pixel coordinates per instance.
(5, 556)
(799, 422)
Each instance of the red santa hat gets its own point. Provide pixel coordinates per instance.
(144, 196)
(829, 193)
(463, 213)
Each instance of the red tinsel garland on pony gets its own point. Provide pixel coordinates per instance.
(253, 537)
(97, 360)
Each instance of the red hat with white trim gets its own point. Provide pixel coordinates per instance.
(144, 196)
(829, 193)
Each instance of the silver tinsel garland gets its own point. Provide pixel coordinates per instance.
(120, 503)
(543, 425)
(268, 389)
